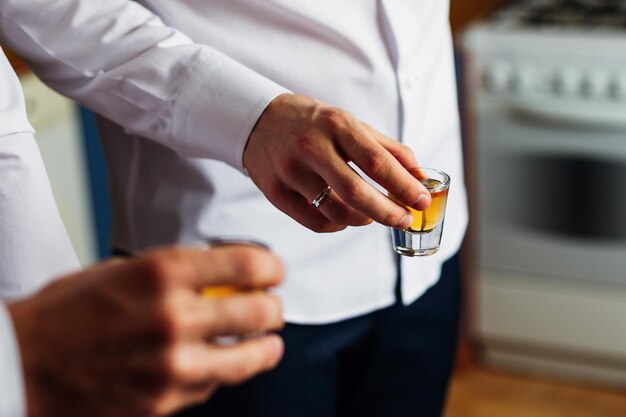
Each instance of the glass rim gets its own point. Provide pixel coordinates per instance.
(445, 183)
(213, 242)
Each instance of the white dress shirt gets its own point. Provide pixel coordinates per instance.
(389, 62)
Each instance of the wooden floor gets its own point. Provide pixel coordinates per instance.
(481, 393)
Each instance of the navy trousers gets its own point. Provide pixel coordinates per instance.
(390, 363)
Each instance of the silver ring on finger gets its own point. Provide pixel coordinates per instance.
(321, 196)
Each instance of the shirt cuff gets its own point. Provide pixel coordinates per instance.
(12, 395)
(218, 107)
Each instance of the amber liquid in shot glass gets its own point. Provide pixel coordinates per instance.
(427, 220)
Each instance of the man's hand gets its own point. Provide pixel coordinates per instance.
(299, 145)
(134, 338)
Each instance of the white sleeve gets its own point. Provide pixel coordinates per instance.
(12, 395)
(119, 59)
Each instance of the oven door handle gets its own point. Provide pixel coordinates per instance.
(578, 112)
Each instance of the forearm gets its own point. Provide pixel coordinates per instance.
(119, 59)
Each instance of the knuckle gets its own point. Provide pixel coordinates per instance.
(343, 216)
(288, 169)
(388, 219)
(408, 192)
(333, 117)
(273, 188)
(171, 320)
(249, 264)
(353, 192)
(160, 271)
(323, 226)
(305, 144)
(340, 214)
(154, 273)
(173, 365)
(160, 405)
(377, 161)
(263, 312)
(257, 314)
(238, 372)
(406, 149)
(166, 326)
(392, 219)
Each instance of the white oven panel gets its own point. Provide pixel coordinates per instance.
(552, 199)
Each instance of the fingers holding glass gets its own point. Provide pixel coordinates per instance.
(387, 163)
(299, 145)
(357, 196)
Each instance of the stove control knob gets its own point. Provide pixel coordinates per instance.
(522, 80)
(596, 84)
(618, 86)
(567, 81)
(496, 76)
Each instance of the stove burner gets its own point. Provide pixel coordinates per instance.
(574, 13)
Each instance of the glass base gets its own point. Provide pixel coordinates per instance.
(409, 243)
(415, 252)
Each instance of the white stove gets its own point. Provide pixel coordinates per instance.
(546, 93)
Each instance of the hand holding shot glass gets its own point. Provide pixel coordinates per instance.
(223, 294)
(423, 236)
(225, 291)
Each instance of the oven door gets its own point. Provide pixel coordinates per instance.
(551, 196)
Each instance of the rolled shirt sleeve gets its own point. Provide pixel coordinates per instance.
(119, 59)
(12, 395)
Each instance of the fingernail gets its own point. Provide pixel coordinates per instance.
(279, 324)
(407, 220)
(278, 346)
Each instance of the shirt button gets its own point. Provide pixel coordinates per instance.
(411, 81)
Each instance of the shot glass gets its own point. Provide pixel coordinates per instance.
(218, 291)
(423, 236)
